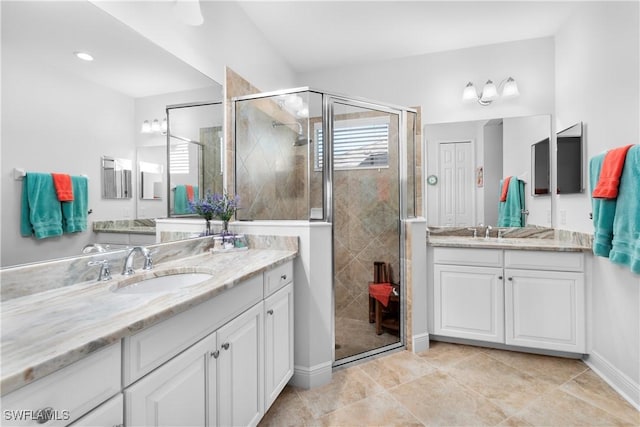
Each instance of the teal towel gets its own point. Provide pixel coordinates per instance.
(181, 204)
(74, 213)
(510, 211)
(603, 211)
(180, 201)
(626, 224)
(40, 211)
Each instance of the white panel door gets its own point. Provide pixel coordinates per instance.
(456, 205)
(278, 343)
(545, 309)
(175, 394)
(468, 302)
(241, 370)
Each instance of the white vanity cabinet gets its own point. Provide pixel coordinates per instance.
(219, 380)
(532, 299)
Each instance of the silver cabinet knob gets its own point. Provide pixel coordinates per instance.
(283, 277)
(225, 346)
(499, 277)
(44, 415)
(510, 279)
(270, 312)
(215, 354)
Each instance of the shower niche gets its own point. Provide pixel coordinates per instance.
(309, 155)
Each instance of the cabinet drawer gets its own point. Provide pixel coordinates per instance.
(544, 260)
(465, 256)
(68, 393)
(109, 414)
(277, 277)
(151, 347)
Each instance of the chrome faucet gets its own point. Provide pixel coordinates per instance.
(487, 232)
(127, 269)
(94, 247)
(105, 269)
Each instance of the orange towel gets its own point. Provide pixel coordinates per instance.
(607, 186)
(62, 184)
(505, 189)
(381, 292)
(189, 192)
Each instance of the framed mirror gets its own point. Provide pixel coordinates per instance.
(540, 168)
(569, 162)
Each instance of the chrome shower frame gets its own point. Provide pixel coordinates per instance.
(328, 100)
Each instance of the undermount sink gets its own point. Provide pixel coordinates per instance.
(168, 283)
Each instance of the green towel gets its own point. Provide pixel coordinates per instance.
(510, 211)
(41, 213)
(603, 211)
(626, 224)
(74, 213)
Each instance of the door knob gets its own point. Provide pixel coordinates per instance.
(215, 354)
(225, 346)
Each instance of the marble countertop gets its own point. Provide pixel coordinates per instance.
(47, 331)
(530, 244)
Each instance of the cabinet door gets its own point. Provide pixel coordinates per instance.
(278, 343)
(241, 370)
(468, 302)
(176, 393)
(545, 309)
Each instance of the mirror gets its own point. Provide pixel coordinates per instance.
(195, 157)
(150, 181)
(468, 160)
(116, 178)
(570, 160)
(540, 165)
(67, 110)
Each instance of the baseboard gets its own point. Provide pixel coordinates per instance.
(420, 342)
(315, 376)
(620, 382)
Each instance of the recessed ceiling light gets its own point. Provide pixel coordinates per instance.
(84, 56)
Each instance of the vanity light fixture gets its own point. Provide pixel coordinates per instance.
(155, 126)
(490, 91)
(83, 55)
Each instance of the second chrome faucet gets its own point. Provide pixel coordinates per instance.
(127, 269)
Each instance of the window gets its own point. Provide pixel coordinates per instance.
(357, 144)
(179, 158)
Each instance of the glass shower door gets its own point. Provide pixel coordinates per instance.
(365, 212)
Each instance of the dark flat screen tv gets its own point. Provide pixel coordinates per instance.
(569, 162)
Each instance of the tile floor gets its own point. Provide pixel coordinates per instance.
(359, 336)
(457, 385)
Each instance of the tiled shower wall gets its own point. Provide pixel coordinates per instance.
(366, 203)
(271, 171)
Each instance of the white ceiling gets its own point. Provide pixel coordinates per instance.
(313, 35)
(46, 33)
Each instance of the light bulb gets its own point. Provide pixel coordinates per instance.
(510, 89)
(489, 91)
(155, 126)
(469, 93)
(163, 126)
(146, 127)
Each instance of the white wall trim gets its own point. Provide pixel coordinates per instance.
(315, 376)
(620, 382)
(420, 342)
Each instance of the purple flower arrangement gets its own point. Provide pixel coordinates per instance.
(216, 205)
